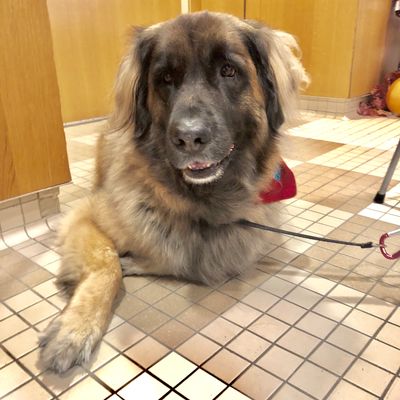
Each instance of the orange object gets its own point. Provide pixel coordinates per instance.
(393, 97)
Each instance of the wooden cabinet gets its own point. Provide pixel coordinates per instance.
(234, 7)
(89, 39)
(32, 144)
(342, 40)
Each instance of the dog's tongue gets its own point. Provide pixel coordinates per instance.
(196, 166)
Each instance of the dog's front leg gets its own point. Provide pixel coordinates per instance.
(91, 265)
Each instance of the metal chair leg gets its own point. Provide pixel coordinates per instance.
(380, 196)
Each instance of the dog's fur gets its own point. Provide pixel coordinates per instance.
(231, 84)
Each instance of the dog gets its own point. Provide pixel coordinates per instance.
(194, 137)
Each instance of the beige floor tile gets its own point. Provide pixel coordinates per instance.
(279, 362)
(115, 319)
(130, 306)
(147, 352)
(298, 342)
(32, 362)
(390, 334)
(226, 365)
(12, 376)
(375, 306)
(172, 334)
(4, 312)
(268, 327)
(173, 368)
(102, 354)
(194, 292)
(278, 287)
(232, 394)
(303, 297)
(124, 336)
(60, 383)
(382, 355)
(235, 288)
(196, 316)
(254, 276)
(4, 358)
(313, 380)
(332, 358)
(348, 339)
(201, 386)
(88, 388)
(332, 309)
(217, 302)
(32, 390)
(38, 312)
(22, 343)
(346, 295)
(257, 383)
(394, 390)
(133, 283)
(47, 289)
(248, 345)
(316, 325)
(173, 396)
(345, 390)
(221, 330)
(395, 318)
(118, 372)
(198, 349)
(11, 326)
(260, 299)
(363, 322)
(318, 284)
(173, 304)
(287, 392)
(149, 319)
(287, 312)
(369, 377)
(23, 300)
(241, 314)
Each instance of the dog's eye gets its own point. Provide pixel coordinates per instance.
(167, 78)
(228, 71)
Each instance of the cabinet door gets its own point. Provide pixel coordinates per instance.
(89, 40)
(32, 143)
(234, 7)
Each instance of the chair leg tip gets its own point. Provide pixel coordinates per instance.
(379, 198)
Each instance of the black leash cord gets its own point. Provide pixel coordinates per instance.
(366, 245)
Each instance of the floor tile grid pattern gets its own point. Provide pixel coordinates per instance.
(82, 180)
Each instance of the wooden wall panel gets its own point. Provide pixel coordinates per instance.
(234, 7)
(32, 143)
(89, 40)
(325, 30)
(369, 45)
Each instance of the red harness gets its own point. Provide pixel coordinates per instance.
(283, 186)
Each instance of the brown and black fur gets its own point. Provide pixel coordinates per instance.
(143, 215)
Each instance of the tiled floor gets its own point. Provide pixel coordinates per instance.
(312, 321)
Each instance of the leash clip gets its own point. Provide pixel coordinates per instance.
(382, 245)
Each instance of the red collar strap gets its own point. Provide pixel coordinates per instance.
(283, 185)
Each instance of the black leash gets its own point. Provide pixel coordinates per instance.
(366, 245)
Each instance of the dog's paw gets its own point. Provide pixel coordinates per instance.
(62, 347)
(130, 267)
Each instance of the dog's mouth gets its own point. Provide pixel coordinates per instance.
(202, 172)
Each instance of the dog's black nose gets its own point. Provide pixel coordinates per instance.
(190, 135)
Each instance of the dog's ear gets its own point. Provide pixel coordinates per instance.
(278, 68)
(131, 87)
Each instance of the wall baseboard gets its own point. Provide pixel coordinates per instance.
(330, 105)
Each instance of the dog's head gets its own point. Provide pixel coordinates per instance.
(205, 95)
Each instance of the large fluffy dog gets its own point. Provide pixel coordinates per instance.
(200, 101)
